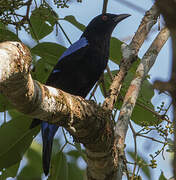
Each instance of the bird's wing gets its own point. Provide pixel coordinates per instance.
(74, 52)
(82, 42)
(69, 59)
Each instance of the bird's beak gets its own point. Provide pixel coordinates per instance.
(120, 17)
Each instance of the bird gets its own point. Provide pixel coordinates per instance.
(79, 68)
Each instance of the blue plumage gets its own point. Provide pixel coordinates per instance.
(48, 132)
(82, 42)
(51, 129)
(56, 71)
(79, 68)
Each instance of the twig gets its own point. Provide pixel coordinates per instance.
(109, 72)
(28, 8)
(65, 137)
(5, 116)
(64, 33)
(135, 150)
(94, 89)
(62, 148)
(153, 139)
(105, 4)
(153, 112)
(103, 85)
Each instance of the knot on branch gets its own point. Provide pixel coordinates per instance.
(129, 56)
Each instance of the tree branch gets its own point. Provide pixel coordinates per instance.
(129, 53)
(131, 96)
(86, 121)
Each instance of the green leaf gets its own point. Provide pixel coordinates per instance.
(33, 168)
(10, 172)
(42, 71)
(141, 163)
(142, 114)
(162, 177)
(74, 153)
(2, 26)
(56, 146)
(49, 51)
(59, 167)
(15, 114)
(82, 152)
(34, 155)
(42, 21)
(6, 35)
(115, 50)
(72, 20)
(4, 103)
(75, 173)
(18, 138)
(78, 147)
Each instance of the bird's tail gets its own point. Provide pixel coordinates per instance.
(48, 132)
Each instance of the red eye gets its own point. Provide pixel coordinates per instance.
(104, 17)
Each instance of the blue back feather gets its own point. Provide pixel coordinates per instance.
(82, 42)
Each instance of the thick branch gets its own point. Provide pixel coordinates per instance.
(31, 97)
(131, 96)
(85, 120)
(133, 91)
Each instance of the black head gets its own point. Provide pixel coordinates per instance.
(104, 24)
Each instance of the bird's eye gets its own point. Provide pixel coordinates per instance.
(104, 17)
